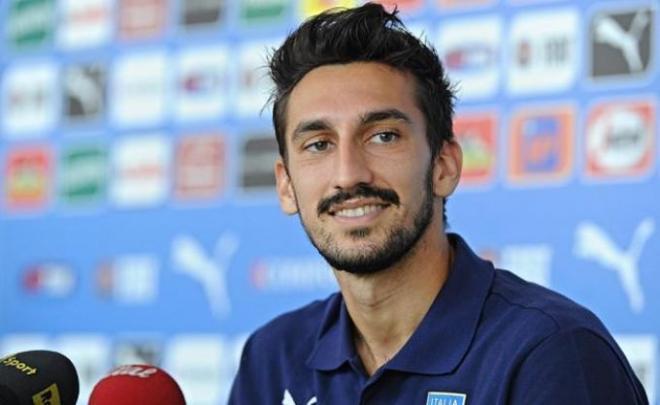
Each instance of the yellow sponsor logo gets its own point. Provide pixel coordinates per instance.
(49, 396)
(310, 8)
(13, 362)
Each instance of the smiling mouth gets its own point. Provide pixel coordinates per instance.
(356, 211)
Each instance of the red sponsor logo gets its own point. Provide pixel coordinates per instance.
(199, 166)
(28, 176)
(477, 134)
(620, 139)
(140, 19)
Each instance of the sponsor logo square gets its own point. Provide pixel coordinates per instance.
(309, 8)
(140, 93)
(259, 153)
(49, 280)
(83, 174)
(202, 83)
(620, 139)
(621, 43)
(140, 171)
(141, 19)
(541, 144)
(84, 23)
(28, 176)
(470, 50)
(30, 23)
(254, 84)
(195, 14)
(264, 11)
(477, 134)
(543, 51)
(29, 100)
(84, 88)
(199, 170)
(129, 279)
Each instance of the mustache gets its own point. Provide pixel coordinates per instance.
(361, 190)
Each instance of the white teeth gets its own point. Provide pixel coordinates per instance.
(357, 212)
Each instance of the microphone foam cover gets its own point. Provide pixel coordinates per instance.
(38, 377)
(137, 384)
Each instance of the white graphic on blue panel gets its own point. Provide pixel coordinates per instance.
(446, 398)
(288, 399)
(190, 258)
(593, 243)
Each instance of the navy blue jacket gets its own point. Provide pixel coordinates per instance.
(489, 338)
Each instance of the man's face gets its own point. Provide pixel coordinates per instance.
(359, 170)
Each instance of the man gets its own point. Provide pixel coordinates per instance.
(362, 114)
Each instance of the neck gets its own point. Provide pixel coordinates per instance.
(387, 307)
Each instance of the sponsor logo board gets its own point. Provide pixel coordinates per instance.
(140, 171)
(477, 134)
(141, 19)
(621, 43)
(84, 89)
(83, 174)
(543, 51)
(49, 279)
(28, 176)
(129, 279)
(30, 23)
(259, 153)
(620, 139)
(29, 100)
(84, 23)
(470, 51)
(140, 89)
(199, 169)
(541, 144)
(202, 83)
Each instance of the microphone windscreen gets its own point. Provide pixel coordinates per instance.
(137, 384)
(38, 377)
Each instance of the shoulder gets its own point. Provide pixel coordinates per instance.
(550, 312)
(561, 343)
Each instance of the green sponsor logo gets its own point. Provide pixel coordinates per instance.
(264, 11)
(83, 174)
(30, 23)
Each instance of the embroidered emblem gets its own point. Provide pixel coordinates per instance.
(446, 398)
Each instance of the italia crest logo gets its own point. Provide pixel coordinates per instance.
(446, 398)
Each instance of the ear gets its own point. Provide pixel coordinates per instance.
(447, 168)
(284, 188)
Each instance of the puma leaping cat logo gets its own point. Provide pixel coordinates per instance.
(591, 242)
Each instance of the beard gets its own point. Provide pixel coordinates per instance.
(400, 240)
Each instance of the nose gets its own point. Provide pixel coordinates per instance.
(351, 167)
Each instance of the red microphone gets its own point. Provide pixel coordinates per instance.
(137, 384)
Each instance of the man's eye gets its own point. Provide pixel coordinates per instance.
(385, 137)
(318, 146)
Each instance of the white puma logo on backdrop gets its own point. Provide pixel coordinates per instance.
(591, 242)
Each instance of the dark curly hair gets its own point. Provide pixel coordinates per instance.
(365, 34)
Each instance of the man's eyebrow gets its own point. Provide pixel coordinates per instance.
(309, 126)
(365, 119)
(382, 115)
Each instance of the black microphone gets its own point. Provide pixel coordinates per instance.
(38, 377)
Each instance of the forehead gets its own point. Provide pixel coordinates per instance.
(344, 92)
